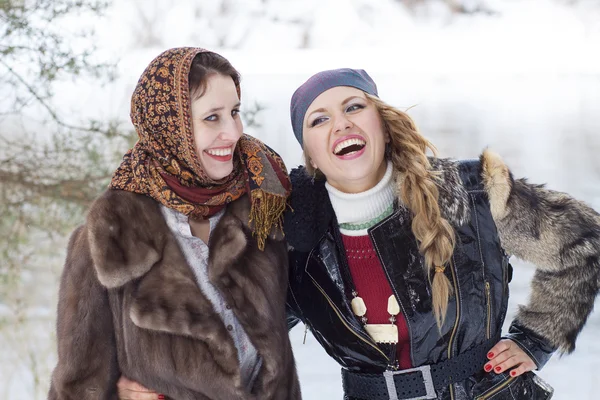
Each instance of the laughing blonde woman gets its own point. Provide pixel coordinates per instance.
(400, 262)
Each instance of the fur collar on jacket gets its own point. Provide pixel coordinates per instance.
(143, 239)
(312, 212)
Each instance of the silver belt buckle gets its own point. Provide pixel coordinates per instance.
(427, 381)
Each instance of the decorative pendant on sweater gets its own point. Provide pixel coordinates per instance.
(380, 333)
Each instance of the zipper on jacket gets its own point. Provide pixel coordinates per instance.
(451, 387)
(498, 388)
(339, 314)
(395, 214)
(488, 297)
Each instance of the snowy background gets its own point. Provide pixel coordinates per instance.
(519, 76)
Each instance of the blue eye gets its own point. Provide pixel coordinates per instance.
(211, 118)
(354, 107)
(318, 121)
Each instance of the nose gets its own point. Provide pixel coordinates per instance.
(231, 129)
(342, 123)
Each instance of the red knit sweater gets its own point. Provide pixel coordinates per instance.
(372, 285)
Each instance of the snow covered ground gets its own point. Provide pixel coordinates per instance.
(523, 79)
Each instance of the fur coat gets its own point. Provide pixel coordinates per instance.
(129, 304)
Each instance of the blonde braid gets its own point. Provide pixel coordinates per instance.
(419, 192)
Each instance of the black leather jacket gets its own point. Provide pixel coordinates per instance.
(480, 274)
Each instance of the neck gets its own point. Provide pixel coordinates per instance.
(200, 229)
(359, 208)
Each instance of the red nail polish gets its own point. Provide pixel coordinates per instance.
(488, 368)
(513, 373)
(490, 355)
(498, 369)
(161, 397)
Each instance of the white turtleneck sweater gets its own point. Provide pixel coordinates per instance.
(359, 208)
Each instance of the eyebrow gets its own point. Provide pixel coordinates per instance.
(212, 110)
(343, 102)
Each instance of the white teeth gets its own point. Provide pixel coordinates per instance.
(348, 143)
(219, 152)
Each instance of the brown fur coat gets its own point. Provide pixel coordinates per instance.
(130, 305)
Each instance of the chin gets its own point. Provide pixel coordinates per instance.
(358, 174)
(220, 174)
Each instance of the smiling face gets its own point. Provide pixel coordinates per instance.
(344, 138)
(217, 125)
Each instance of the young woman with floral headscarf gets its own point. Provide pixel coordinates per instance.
(177, 280)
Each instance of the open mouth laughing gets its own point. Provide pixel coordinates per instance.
(349, 147)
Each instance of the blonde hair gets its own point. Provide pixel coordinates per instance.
(419, 193)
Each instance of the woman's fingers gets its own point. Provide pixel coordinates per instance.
(509, 363)
(498, 359)
(131, 390)
(501, 346)
(521, 369)
(506, 355)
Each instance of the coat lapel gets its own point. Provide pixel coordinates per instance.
(168, 299)
(254, 284)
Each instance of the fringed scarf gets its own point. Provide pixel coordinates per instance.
(163, 164)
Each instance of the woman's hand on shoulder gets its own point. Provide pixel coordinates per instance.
(507, 355)
(131, 390)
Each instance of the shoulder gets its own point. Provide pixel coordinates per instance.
(497, 182)
(505, 193)
(310, 213)
(482, 173)
(488, 174)
(455, 180)
(126, 234)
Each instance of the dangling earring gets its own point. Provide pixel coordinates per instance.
(314, 176)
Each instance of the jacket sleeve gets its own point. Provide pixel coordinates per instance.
(537, 347)
(87, 361)
(561, 236)
(293, 313)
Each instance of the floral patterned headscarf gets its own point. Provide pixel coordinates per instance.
(164, 165)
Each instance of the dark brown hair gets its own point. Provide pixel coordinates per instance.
(206, 64)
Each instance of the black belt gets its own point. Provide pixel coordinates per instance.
(417, 383)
